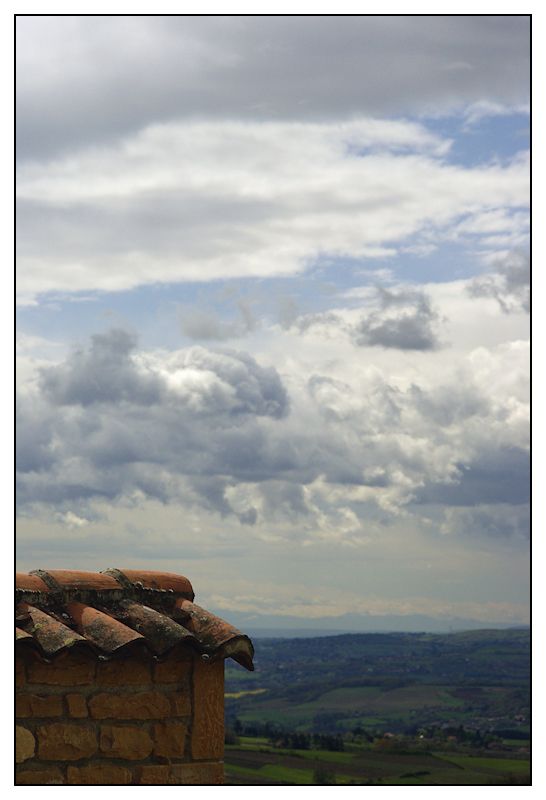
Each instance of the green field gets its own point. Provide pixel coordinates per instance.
(371, 704)
(257, 762)
(389, 682)
(490, 764)
(385, 709)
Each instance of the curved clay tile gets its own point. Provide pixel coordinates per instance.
(25, 641)
(30, 583)
(160, 631)
(51, 635)
(75, 579)
(102, 630)
(214, 633)
(149, 579)
(239, 648)
(20, 635)
(115, 610)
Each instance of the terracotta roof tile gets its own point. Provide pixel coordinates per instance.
(102, 630)
(47, 630)
(116, 610)
(154, 580)
(31, 582)
(70, 579)
(161, 632)
(212, 630)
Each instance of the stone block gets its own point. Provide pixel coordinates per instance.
(77, 705)
(207, 739)
(173, 670)
(25, 744)
(128, 672)
(66, 741)
(140, 705)
(126, 742)
(32, 705)
(20, 673)
(99, 775)
(68, 671)
(40, 777)
(169, 739)
(197, 774)
(180, 703)
(153, 775)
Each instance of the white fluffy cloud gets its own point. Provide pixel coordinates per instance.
(201, 201)
(317, 445)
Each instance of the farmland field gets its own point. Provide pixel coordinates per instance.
(382, 708)
(254, 761)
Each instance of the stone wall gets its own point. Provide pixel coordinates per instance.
(81, 721)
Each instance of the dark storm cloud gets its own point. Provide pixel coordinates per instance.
(405, 321)
(509, 284)
(83, 80)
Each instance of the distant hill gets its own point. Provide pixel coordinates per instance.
(385, 681)
(262, 625)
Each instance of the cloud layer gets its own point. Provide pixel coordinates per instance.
(405, 320)
(344, 202)
(203, 201)
(508, 284)
(217, 430)
(92, 79)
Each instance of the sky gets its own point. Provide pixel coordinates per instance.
(273, 308)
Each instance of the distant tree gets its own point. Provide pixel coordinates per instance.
(230, 737)
(324, 777)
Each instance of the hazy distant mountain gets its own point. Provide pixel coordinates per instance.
(260, 625)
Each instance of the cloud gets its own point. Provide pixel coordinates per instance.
(103, 374)
(447, 405)
(482, 109)
(500, 521)
(401, 318)
(84, 80)
(205, 325)
(496, 475)
(204, 381)
(509, 284)
(199, 201)
(316, 454)
(224, 382)
(341, 201)
(405, 320)
(107, 422)
(493, 229)
(287, 311)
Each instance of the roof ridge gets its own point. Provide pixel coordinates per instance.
(114, 610)
(111, 578)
